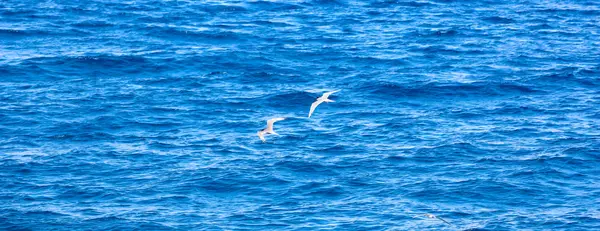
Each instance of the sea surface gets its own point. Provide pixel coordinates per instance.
(143, 115)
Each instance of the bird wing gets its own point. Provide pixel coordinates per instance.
(261, 135)
(327, 94)
(443, 220)
(313, 106)
(271, 121)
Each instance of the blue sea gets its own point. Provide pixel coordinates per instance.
(143, 115)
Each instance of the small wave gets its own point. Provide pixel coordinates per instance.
(12, 143)
(399, 159)
(214, 37)
(306, 167)
(437, 33)
(93, 24)
(12, 32)
(109, 218)
(335, 191)
(564, 77)
(290, 100)
(22, 33)
(567, 11)
(44, 213)
(334, 149)
(435, 50)
(17, 12)
(369, 60)
(389, 3)
(328, 2)
(221, 186)
(592, 73)
(271, 23)
(447, 90)
(498, 20)
(274, 6)
(224, 8)
(90, 61)
(453, 150)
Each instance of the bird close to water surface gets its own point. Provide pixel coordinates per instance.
(268, 129)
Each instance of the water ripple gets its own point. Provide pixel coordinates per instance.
(143, 115)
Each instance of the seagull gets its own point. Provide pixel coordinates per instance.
(434, 217)
(268, 129)
(320, 100)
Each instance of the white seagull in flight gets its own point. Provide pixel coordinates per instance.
(320, 100)
(268, 129)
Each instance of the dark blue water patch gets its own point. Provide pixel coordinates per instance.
(93, 24)
(498, 20)
(274, 6)
(17, 34)
(327, 192)
(336, 3)
(412, 3)
(8, 70)
(564, 78)
(373, 61)
(16, 12)
(11, 33)
(541, 26)
(435, 34)
(292, 99)
(451, 151)
(430, 90)
(336, 149)
(308, 168)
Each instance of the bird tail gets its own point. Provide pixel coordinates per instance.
(329, 101)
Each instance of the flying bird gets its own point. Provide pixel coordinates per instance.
(268, 129)
(434, 217)
(321, 100)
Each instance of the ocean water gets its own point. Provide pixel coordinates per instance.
(142, 115)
